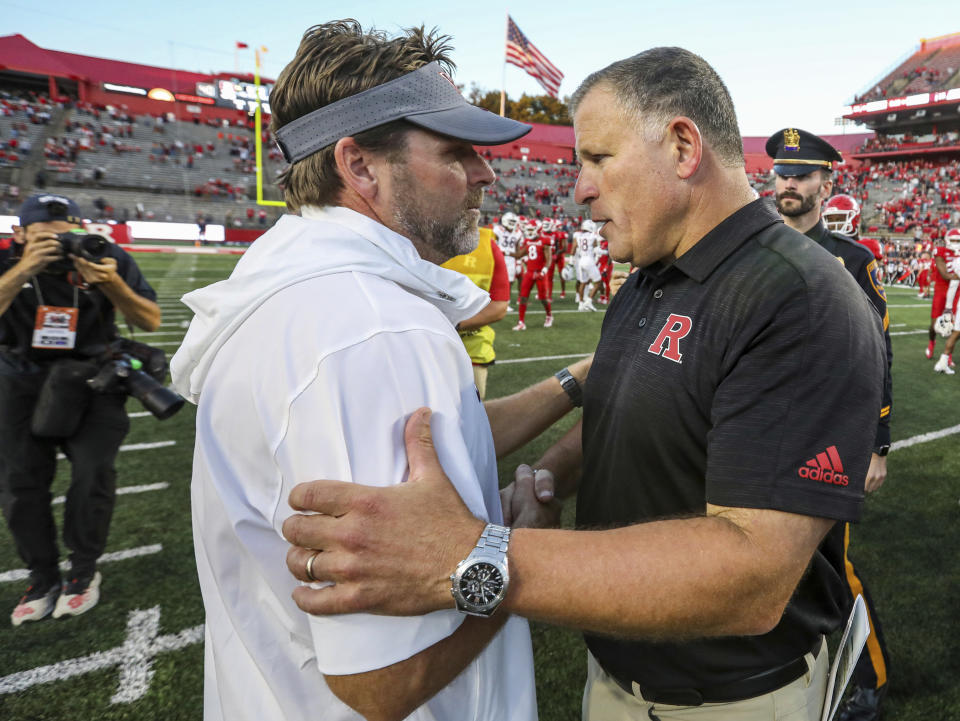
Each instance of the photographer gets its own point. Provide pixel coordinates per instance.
(56, 324)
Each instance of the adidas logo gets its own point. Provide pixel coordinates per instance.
(826, 467)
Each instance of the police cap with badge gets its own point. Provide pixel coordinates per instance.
(797, 152)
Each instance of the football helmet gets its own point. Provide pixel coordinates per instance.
(588, 226)
(568, 273)
(549, 225)
(531, 229)
(841, 214)
(509, 221)
(944, 325)
(952, 239)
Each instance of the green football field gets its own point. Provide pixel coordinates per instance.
(138, 654)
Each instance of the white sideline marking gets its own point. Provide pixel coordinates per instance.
(20, 574)
(543, 358)
(134, 657)
(909, 332)
(541, 311)
(140, 414)
(924, 438)
(126, 490)
(135, 447)
(167, 342)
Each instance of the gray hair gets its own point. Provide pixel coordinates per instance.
(657, 85)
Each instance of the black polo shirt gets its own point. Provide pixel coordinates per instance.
(743, 374)
(96, 325)
(861, 264)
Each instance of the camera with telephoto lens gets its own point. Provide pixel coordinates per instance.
(81, 244)
(138, 369)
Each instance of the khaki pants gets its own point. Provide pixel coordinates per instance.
(802, 700)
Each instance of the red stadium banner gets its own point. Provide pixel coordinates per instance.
(524, 54)
(114, 232)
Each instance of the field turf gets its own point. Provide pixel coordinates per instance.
(138, 654)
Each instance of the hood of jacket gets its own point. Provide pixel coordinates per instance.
(321, 242)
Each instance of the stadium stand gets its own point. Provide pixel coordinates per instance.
(934, 65)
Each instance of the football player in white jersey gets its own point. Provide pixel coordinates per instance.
(586, 264)
(508, 236)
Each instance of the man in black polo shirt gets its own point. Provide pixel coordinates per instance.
(803, 167)
(58, 313)
(726, 428)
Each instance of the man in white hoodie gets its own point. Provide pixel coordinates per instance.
(334, 328)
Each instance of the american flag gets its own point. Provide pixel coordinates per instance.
(524, 54)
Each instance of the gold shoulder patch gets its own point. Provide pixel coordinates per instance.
(842, 262)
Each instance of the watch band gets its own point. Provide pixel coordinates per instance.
(882, 450)
(570, 386)
(489, 555)
(493, 541)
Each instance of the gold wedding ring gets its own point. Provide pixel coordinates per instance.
(310, 567)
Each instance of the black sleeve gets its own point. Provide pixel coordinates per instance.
(793, 419)
(130, 272)
(868, 278)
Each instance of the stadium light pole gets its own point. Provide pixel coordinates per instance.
(258, 143)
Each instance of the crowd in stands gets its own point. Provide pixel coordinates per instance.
(21, 116)
(908, 141)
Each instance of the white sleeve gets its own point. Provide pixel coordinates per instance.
(347, 424)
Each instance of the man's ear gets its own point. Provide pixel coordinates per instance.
(359, 169)
(687, 144)
(18, 234)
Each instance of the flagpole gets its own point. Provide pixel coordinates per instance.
(503, 81)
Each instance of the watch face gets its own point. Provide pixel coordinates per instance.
(481, 584)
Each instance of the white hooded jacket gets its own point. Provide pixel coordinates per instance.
(305, 364)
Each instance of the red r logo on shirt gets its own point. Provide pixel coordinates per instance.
(667, 343)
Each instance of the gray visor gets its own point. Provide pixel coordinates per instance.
(426, 97)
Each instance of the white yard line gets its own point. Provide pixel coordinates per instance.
(909, 332)
(924, 438)
(542, 358)
(134, 657)
(20, 574)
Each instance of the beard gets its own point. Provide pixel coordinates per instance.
(437, 236)
(807, 203)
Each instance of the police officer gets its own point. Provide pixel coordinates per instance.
(803, 167)
(56, 320)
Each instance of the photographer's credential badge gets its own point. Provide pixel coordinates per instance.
(55, 327)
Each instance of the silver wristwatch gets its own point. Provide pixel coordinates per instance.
(480, 582)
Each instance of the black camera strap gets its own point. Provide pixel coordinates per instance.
(36, 288)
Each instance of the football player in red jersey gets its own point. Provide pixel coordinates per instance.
(605, 266)
(535, 247)
(943, 257)
(925, 275)
(558, 242)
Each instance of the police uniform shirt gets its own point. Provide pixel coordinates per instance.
(740, 375)
(862, 265)
(96, 323)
